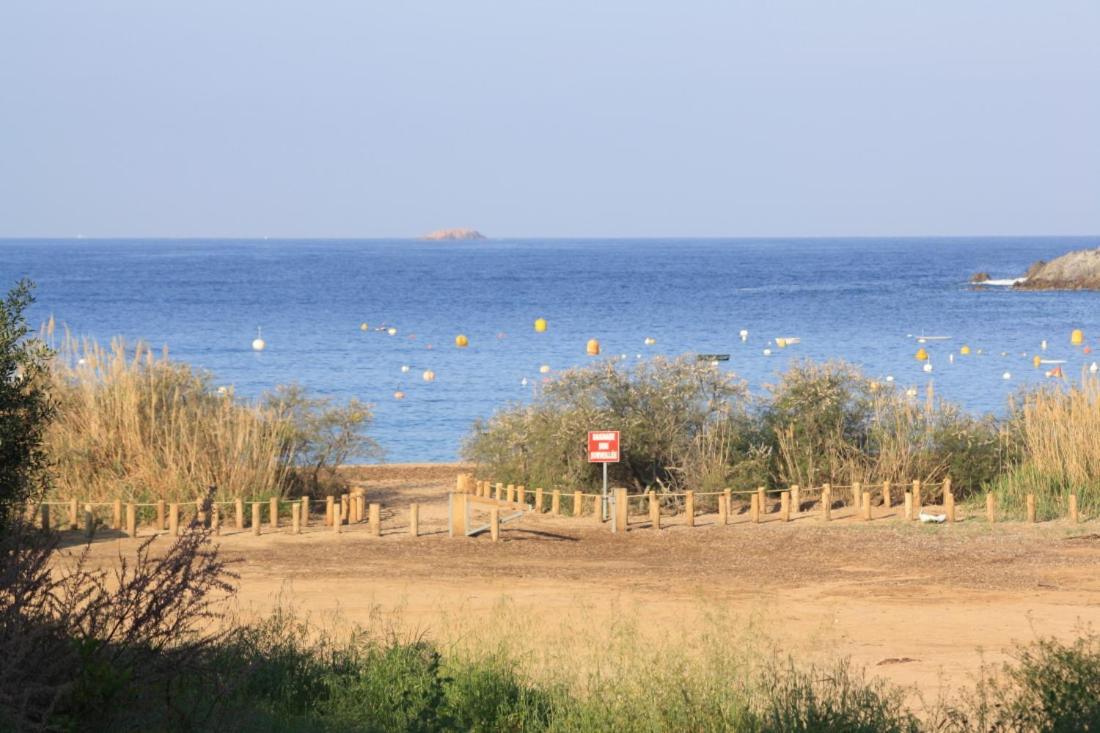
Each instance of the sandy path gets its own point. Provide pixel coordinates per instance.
(878, 591)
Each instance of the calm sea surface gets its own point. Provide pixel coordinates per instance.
(859, 299)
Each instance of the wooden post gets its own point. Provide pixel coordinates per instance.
(353, 505)
(785, 506)
(304, 511)
(866, 506)
(45, 512)
(796, 499)
(597, 510)
(131, 520)
(116, 516)
(654, 510)
(538, 500)
(500, 491)
(727, 495)
(723, 511)
(1073, 508)
(174, 519)
(256, 518)
(162, 515)
(622, 516)
(414, 520)
(238, 512)
(949, 506)
(215, 518)
(555, 503)
(521, 494)
(510, 496)
(917, 504)
(338, 518)
(754, 508)
(578, 504)
(908, 505)
(458, 515)
(295, 518)
(330, 509)
(887, 500)
(200, 515)
(762, 500)
(827, 501)
(990, 508)
(689, 507)
(345, 508)
(1031, 508)
(857, 497)
(376, 520)
(494, 523)
(273, 512)
(73, 518)
(89, 521)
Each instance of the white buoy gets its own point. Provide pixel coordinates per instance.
(258, 342)
(927, 367)
(1094, 368)
(404, 367)
(649, 340)
(523, 381)
(391, 331)
(767, 352)
(744, 334)
(889, 377)
(1006, 375)
(950, 358)
(1043, 344)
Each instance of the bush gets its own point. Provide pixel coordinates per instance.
(662, 408)
(25, 407)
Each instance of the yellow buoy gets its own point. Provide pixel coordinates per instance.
(544, 369)
(391, 331)
(429, 375)
(364, 326)
(540, 325)
(964, 350)
(1077, 337)
(921, 354)
(399, 395)
(1036, 361)
(593, 347)
(461, 341)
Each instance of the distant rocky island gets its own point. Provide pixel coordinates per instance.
(454, 234)
(1078, 270)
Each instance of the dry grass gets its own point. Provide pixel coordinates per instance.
(134, 424)
(1057, 434)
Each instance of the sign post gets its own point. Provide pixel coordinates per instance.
(603, 447)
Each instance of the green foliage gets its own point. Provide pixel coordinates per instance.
(321, 434)
(1051, 686)
(26, 408)
(662, 408)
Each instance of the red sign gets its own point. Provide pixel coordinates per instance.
(603, 446)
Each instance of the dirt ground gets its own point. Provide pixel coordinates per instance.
(917, 604)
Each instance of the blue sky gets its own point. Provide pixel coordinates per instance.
(687, 118)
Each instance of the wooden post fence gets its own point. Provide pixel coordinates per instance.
(330, 509)
(723, 510)
(131, 520)
(727, 496)
(494, 523)
(887, 500)
(917, 504)
(990, 508)
(785, 506)
(304, 511)
(761, 500)
(622, 514)
(908, 505)
(174, 519)
(89, 521)
(827, 502)
(555, 502)
(1031, 508)
(1073, 508)
(866, 508)
(295, 518)
(754, 508)
(689, 507)
(538, 500)
(256, 518)
(238, 511)
(273, 512)
(654, 510)
(116, 515)
(73, 518)
(796, 499)
(414, 520)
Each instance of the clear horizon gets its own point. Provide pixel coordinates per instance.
(333, 120)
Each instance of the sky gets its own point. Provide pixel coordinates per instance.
(252, 118)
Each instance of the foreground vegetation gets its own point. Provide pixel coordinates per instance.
(688, 425)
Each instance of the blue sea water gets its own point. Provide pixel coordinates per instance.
(857, 299)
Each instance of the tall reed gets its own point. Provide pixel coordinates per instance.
(1056, 432)
(132, 423)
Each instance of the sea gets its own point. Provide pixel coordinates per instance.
(864, 300)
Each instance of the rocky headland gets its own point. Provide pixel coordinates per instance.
(1078, 270)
